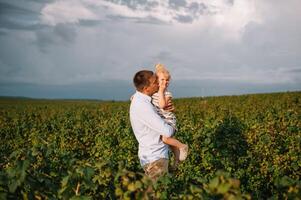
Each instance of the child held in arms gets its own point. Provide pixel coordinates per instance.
(161, 99)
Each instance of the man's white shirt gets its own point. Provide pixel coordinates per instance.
(148, 126)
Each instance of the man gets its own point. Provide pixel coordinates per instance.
(148, 126)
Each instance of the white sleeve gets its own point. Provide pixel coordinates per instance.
(151, 119)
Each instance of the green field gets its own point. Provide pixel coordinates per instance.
(241, 147)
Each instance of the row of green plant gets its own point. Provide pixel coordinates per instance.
(241, 147)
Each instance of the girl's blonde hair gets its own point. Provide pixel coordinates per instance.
(160, 68)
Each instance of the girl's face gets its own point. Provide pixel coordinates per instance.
(163, 78)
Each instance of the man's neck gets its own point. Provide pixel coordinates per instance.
(146, 93)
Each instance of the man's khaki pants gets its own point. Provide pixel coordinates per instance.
(156, 169)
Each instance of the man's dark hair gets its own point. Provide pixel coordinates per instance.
(141, 79)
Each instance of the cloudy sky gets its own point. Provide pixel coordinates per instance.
(92, 48)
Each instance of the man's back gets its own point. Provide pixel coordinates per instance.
(148, 127)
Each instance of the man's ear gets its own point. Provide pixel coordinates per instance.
(144, 89)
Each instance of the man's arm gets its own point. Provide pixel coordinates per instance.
(151, 119)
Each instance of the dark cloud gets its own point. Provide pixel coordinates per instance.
(9, 9)
(6, 70)
(42, 1)
(67, 32)
(197, 8)
(177, 3)
(15, 25)
(150, 5)
(61, 34)
(133, 4)
(151, 20)
(16, 57)
(145, 20)
(2, 33)
(121, 17)
(294, 71)
(44, 38)
(193, 11)
(89, 22)
(230, 2)
(18, 18)
(163, 56)
(184, 19)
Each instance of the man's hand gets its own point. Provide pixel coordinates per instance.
(169, 107)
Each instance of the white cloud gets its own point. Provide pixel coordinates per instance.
(65, 12)
(233, 19)
(210, 13)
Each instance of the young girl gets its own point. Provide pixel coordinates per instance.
(161, 99)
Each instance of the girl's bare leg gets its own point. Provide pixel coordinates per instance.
(179, 149)
(172, 142)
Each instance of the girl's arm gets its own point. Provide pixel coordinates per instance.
(169, 105)
(162, 99)
(165, 101)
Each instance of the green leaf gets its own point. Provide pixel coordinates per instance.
(118, 192)
(214, 183)
(223, 188)
(286, 181)
(138, 184)
(80, 198)
(64, 181)
(131, 187)
(3, 195)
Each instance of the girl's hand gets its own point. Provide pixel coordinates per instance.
(162, 85)
(169, 107)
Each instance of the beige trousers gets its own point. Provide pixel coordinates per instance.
(156, 169)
